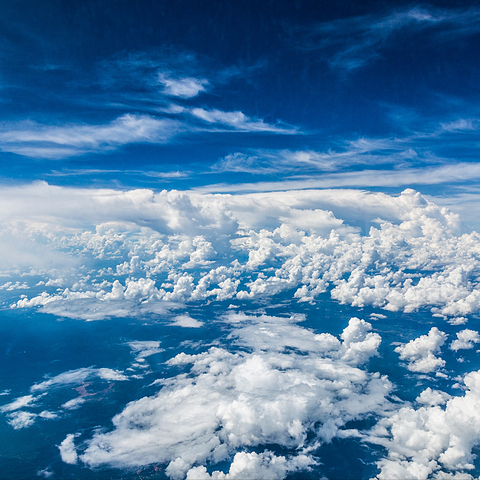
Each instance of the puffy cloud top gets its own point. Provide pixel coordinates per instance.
(420, 353)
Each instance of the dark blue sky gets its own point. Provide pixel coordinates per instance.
(237, 95)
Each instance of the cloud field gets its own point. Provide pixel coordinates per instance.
(269, 391)
(394, 253)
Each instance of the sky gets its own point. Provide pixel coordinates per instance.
(239, 239)
(242, 96)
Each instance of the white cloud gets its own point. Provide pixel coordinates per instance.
(74, 403)
(186, 321)
(145, 348)
(429, 175)
(67, 450)
(48, 415)
(21, 419)
(47, 141)
(460, 125)
(36, 140)
(363, 151)
(465, 340)
(355, 42)
(25, 401)
(140, 298)
(265, 465)
(238, 121)
(240, 162)
(283, 384)
(407, 160)
(276, 333)
(433, 397)
(78, 376)
(183, 87)
(111, 375)
(45, 473)
(420, 353)
(431, 441)
(236, 400)
(360, 344)
(411, 253)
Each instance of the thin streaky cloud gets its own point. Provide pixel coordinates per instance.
(56, 142)
(46, 141)
(238, 162)
(187, 87)
(140, 81)
(97, 171)
(351, 43)
(361, 152)
(149, 80)
(238, 121)
(422, 147)
(452, 173)
(460, 125)
(265, 162)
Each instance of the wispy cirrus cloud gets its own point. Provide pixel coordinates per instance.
(417, 159)
(435, 147)
(157, 97)
(351, 43)
(148, 82)
(431, 175)
(52, 141)
(240, 122)
(460, 125)
(77, 172)
(183, 87)
(363, 151)
(32, 139)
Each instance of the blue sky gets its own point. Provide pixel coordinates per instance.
(229, 96)
(235, 209)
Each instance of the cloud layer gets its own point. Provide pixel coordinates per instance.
(169, 247)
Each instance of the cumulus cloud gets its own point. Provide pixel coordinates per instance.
(21, 419)
(25, 401)
(420, 353)
(77, 379)
(261, 394)
(91, 305)
(74, 403)
(275, 333)
(433, 397)
(253, 466)
(46, 473)
(268, 380)
(432, 441)
(466, 339)
(183, 246)
(186, 321)
(67, 450)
